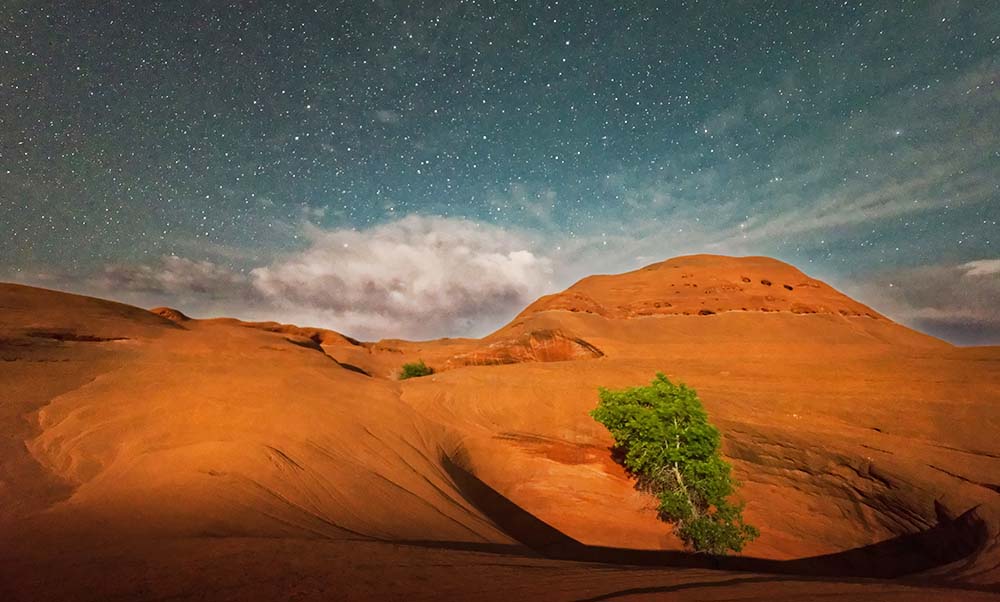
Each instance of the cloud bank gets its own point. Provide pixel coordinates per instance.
(174, 276)
(954, 302)
(982, 267)
(417, 276)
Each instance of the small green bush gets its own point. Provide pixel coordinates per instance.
(669, 445)
(415, 369)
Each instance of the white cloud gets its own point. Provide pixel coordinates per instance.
(981, 267)
(173, 275)
(956, 301)
(416, 277)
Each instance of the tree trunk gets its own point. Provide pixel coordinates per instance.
(695, 512)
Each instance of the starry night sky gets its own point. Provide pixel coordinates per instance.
(318, 162)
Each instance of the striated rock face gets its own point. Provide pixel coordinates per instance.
(534, 346)
(221, 451)
(174, 315)
(319, 336)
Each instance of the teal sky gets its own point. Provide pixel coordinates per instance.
(218, 156)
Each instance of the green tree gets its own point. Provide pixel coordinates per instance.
(670, 446)
(415, 369)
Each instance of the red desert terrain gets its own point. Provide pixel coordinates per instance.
(145, 455)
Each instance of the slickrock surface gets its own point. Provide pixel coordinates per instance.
(147, 455)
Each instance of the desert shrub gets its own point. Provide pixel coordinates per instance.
(667, 442)
(415, 369)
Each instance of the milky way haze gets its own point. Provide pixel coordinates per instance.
(427, 169)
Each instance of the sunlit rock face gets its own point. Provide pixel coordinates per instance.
(863, 448)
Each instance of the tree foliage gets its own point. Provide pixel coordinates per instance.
(670, 446)
(415, 369)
